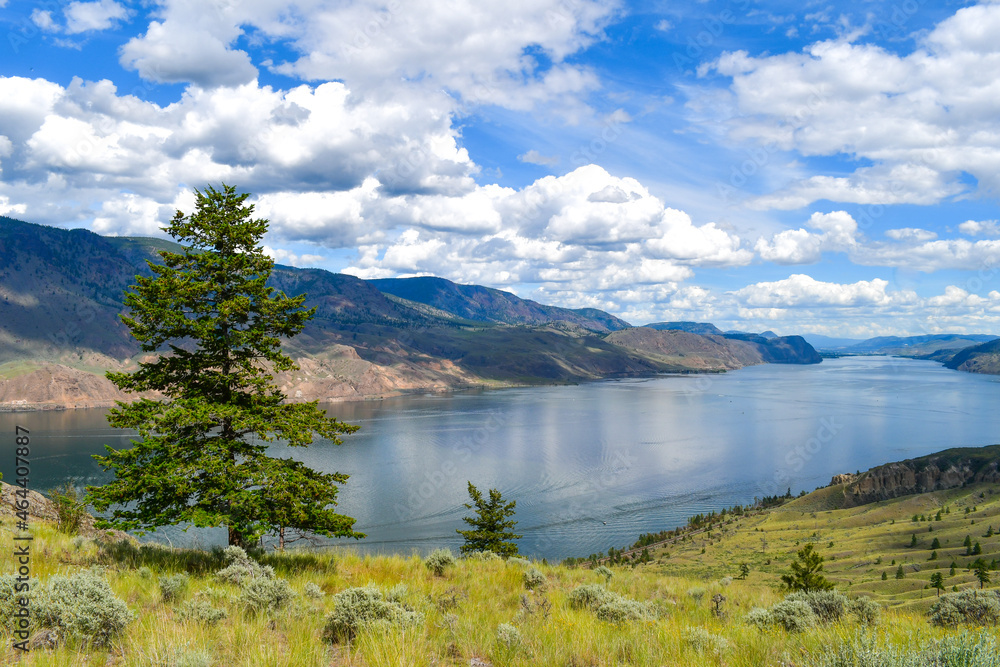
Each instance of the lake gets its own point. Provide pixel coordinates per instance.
(594, 465)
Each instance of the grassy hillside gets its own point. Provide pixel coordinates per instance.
(460, 615)
(859, 543)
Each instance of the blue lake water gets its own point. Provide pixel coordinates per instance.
(594, 465)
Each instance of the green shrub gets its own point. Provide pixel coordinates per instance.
(438, 560)
(264, 594)
(604, 572)
(517, 560)
(81, 607)
(794, 615)
(533, 578)
(359, 608)
(829, 606)
(172, 588)
(70, 508)
(971, 607)
(486, 556)
(201, 611)
(145, 573)
(760, 618)
(704, 641)
(697, 593)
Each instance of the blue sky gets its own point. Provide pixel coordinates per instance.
(795, 166)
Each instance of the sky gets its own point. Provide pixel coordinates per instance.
(803, 167)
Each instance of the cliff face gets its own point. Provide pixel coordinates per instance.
(949, 469)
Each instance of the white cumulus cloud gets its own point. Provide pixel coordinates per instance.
(922, 118)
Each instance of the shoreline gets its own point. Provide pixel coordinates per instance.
(27, 407)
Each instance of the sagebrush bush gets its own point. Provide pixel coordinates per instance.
(313, 592)
(201, 611)
(174, 587)
(971, 607)
(266, 594)
(533, 578)
(624, 610)
(829, 606)
(610, 606)
(870, 650)
(81, 607)
(363, 607)
(590, 596)
(794, 615)
(704, 641)
(604, 572)
(509, 636)
(438, 560)
(865, 610)
(697, 593)
(185, 657)
(486, 556)
(8, 600)
(241, 568)
(760, 618)
(145, 573)
(517, 560)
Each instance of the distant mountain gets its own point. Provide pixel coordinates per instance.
(821, 342)
(703, 328)
(674, 346)
(486, 304)
(62, 291)
(913, 346)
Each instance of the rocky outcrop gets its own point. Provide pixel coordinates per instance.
(843, 478)
(55, 386)
(949, 469)
(40, 507)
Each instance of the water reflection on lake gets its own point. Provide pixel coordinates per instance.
(594, 465)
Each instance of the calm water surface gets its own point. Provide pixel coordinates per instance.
(593, 466)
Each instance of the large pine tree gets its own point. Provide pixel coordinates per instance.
(201, 457)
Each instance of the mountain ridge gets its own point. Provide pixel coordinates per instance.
(62, 291)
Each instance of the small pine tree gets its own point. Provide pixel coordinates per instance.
(744, 571)
(937, 517)
(936, 544)
(976, 550)
(899, 572)
(951, 572)
(937, 581)
(989, 532)
(806, 572)
(982, 572)
(934, 556)
(884, 576)
(913, 540)
(492, 528)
